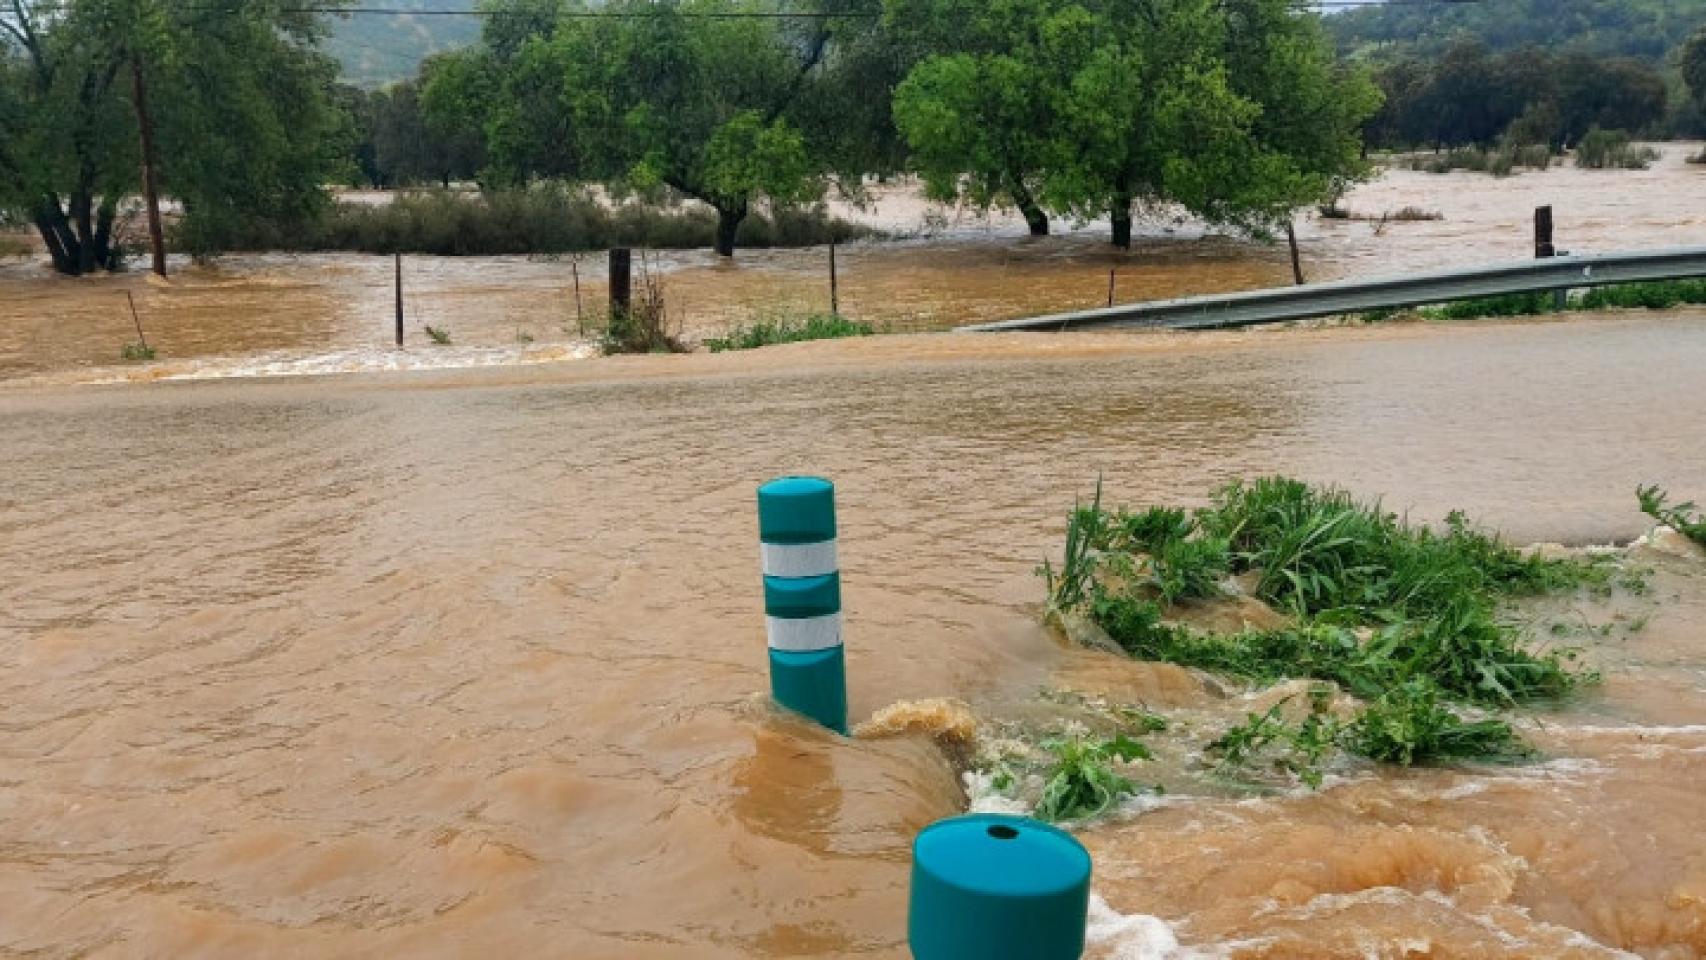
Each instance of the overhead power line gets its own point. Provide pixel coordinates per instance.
(384, 11)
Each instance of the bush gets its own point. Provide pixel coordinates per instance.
(1508, 305)
(1656, 295)
(1611, 150)
(1501, 160)
(543, 219)
(774, 330)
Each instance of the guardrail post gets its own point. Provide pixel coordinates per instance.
(802, 598)
(1543, 247)
(997, 888)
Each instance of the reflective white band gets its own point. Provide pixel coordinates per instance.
(800, 636)
(799, 559)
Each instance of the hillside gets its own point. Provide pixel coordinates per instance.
(1648, 29)
(377, 49)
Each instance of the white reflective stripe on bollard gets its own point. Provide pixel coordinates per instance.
(799, 559)
(804, 635)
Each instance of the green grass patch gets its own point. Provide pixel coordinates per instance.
(1652, 295)
(1405, 617)
(1655, 295)
(773, 330)
(1507, 305)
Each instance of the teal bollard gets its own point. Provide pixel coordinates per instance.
(992, 887)
(802, 598)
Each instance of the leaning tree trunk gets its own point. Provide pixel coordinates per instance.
(728, 224)
(1035, 218)
(57, 237)
(1119, 215)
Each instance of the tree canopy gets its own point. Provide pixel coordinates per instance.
(653, 94)
(1647, 29)
(237, 101)
(1469, 95)
(1235, 111)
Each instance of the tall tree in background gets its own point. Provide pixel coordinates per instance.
(1693, 64)
(1471, 96)
(655, 93)
(980, 111)
(67, 153)
(1234, 111)
(230, 100)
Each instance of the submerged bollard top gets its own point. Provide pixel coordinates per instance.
(996, 887)
(796, 510)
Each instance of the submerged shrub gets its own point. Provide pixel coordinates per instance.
(1408, 725)
(547, 218)
(1611, 150)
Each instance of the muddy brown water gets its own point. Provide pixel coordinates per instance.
(266, 314)
(468, 661)
(461, 663)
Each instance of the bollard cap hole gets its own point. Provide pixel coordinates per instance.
(1001, 831)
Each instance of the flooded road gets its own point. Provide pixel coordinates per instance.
(464, 663)
(270, 314)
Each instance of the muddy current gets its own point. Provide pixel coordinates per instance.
(464, 662)
(247, 315)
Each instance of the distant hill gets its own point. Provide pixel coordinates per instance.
(1648, 29)
(377, 49)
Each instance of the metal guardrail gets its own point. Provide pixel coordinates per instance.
(1253, 307)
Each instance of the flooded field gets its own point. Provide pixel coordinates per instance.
(466, 663)
(270, 314)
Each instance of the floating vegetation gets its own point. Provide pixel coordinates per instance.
(1082, 782)
(1404, 617)
(136, 352)
(438, 335)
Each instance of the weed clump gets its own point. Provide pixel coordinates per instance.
(1404, 617)
(1082, 783)
(644, 326)
(1679, 517)
(438, 335)
(768, 331)
(136, 352)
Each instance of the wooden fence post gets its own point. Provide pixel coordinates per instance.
(621, 281)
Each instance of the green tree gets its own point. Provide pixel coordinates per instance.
(1693, 63)
(1234, 110)
(654, 93)
(232, 99)
(399, 145)
(980, 115)
(66, 152)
